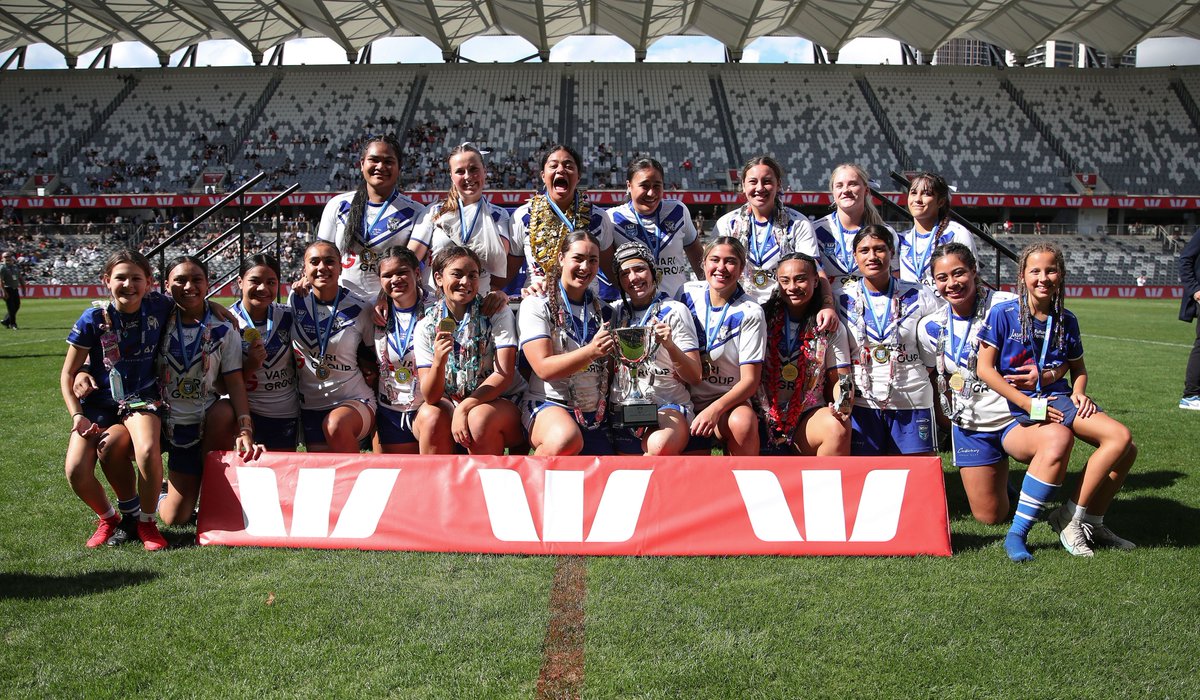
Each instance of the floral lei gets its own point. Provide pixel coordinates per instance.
(951, 408)
(546, 231)
(810, 384)
(464, 366)
(866, 358)
(743, 230)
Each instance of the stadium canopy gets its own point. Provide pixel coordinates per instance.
(74, 27)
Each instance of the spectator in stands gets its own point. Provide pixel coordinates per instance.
(11, 281)
(850, 188)
(929, 205)
(365, 223)
(1189, 309)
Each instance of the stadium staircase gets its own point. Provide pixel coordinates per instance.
(414, 101)
(1047, 134)
(1185, 98)
(566, 109)
(733, 150)
(97, 122)
(885, 124)
(250, 124)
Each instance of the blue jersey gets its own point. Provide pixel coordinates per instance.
(1002, 330)
(138, 336)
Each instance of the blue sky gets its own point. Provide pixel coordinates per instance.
(1153, 52)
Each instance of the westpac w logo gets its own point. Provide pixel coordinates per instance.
(263, 515)
(824, 511)
(562, 507)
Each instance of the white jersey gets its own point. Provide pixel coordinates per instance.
(600, 227)
(666, 233)
(190, 362)
(766, 244)
(915, 249)
(732, 335)
(666, 387)
(837, 355)
(878, 338)
(502, 326)
(534, 322)
(488, 232)
(984, 410)
(351, 326)
(272, 390)
(395, 349)
(836, 244)
(384, 225)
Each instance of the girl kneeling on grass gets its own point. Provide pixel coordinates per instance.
(467, 363)
(1036, 329)
(115, 401)
(802, 367)
(334, 338)
(732, 349)
(983, 432)
(199, 351)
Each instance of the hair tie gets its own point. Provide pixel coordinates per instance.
(471, 145)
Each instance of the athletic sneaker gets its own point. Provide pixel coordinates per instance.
(1190, 403)
(1071, 533)
(125, 532)
(104, 530)
(151, 538)
(1101, 536)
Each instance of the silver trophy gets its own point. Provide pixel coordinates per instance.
(633, 351)
(843, 395)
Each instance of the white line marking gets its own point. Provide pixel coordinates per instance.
(1137, 340)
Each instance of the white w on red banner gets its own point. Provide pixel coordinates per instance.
(578, 505)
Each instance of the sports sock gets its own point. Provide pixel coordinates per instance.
(1035, 493)
(108, 514)
(1093, 519)
(132, 507)
(1075, 510)
(146, 517)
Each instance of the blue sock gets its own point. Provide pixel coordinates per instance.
(1030, 504)
(132, 507)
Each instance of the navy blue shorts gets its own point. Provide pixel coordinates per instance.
(977, 448)
(879, 432)
(595, 441)
(102, 415)
(1062, 402)
(395, 427)
(313, 420)
(276, 433)
(185, 460)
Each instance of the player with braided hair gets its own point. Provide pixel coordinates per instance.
(929, 204)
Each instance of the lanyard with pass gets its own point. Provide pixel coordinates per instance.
(1037, 409)
(188, 354)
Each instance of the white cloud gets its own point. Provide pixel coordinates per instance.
(499, 49)
(221, 52)
(778, 49)
(865, 51)
(1178, 51)
(405, 49)
(581, 49)
(314, 51)
(686, 49)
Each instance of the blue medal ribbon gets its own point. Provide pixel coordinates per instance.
(758, 251)
(710, 333)
(324, 334)
(468, 229)
(915, 258)
(401, 344)
(188, 353)
(245, 314)
(955, 353)
(559, 213)
(844, 256)
(869, 311)
(580, 335)
(382, 208)
(1040, 360)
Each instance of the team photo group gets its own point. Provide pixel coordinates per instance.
(567, 329)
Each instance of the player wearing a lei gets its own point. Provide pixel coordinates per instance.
(983, 432)
(664, 226)
(541, 225)
(566, 340)
(333, 336)
(403, 427)
(769, 230)
(365, 223)
(467, 362)
(893, 408)
(1036, 329)
(466, 218)
(673, 357)
(729, 325)
(849, 185)
(268, 364)
(198, 351)
(802, 367)
(929, 204)
(109, 387)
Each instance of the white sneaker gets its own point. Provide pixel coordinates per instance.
(1101, 536)
(1071, 533)
(1190, 403)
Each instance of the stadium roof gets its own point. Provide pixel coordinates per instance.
(74, 27)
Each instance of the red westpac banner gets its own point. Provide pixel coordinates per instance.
(578, 505)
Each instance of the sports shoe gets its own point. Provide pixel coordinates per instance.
(1100, 536)
(1190, 403)
(125, 532)
(152, 539)
(1071, 533)
(104, 530)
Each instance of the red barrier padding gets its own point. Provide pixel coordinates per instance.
(578, 505)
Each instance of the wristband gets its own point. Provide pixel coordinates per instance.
(78, 413)
(244, 422)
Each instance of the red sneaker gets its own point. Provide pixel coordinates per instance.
(104, 529)
(152, 539)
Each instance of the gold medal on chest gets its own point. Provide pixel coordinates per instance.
(957, 382)
(880, 354)
(789, 372)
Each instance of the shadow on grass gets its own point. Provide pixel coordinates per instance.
(1155, 522)
(968, 542)
(1150, 480)
(42, 587)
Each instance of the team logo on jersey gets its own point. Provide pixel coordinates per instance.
(394, 224)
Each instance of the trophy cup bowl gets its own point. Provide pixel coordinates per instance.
(633, 349)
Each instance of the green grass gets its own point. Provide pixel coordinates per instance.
(196, 622)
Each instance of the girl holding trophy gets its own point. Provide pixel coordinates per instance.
(659, 357)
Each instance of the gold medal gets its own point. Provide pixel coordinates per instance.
(447, 325)
(957, 382)
(403, 375)
(251, 334)
(880, 353)
(322, 371)
(760, 278)
(789, 372)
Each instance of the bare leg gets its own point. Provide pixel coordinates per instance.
(555, 432)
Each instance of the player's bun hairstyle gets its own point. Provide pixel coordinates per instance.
(875, 231)
(637, 165)
(453, 252)
(126, 255)
(870, 213)
(260, 260)
(184, 259)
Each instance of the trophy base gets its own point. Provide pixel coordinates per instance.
(635, 415)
